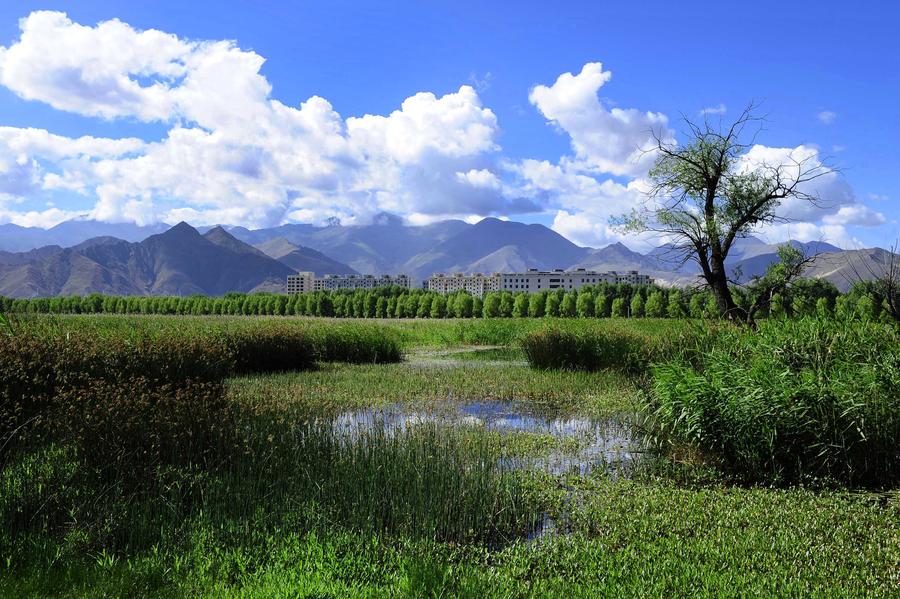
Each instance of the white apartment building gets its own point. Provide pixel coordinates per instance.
(535, 280)
(476, 284)
(304, 282)
(632, 277)
(532, 281)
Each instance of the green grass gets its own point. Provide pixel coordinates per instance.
(628, 539)
(426, 482)
(336, 387)
(287, 508)
(508, 331)
(482, 354)
(615, 347)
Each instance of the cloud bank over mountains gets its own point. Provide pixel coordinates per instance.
(233, 154)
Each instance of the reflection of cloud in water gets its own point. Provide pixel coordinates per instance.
(611, 445)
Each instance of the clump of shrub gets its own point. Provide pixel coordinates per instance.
(797, 401)
(357, 343)
(554, 348)
(272, 348)
(284, 346)
(123, 403)
(488, 331)
(591, 349)
(38, 373)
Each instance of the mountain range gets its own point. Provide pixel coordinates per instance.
(179, 261)
(128, 259)
(14, 238)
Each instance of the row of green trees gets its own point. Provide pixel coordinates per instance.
(805, 298)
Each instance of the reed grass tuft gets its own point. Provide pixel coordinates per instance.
(810, 400)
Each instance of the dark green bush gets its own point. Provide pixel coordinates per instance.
(810, 400)
(567, 350)
(272, 348)
(596, 349)
(38, 373)
(128, 429)
(488, 332)
(357, 343)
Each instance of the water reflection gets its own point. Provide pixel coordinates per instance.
(611, 445)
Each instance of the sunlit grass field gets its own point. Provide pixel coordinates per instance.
(450, 500)
(429, 379)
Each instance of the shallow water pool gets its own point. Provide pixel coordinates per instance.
(584, 445)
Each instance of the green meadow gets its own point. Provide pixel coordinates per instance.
(220, 456)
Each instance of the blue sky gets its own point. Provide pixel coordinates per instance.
(826, 74)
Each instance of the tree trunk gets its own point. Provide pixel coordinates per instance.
(718, 282)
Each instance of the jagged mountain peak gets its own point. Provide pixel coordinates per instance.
(219, 236)
(183, 227)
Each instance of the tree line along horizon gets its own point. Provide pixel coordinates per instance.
(806, 297)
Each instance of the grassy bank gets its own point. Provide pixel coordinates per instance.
(334, 388)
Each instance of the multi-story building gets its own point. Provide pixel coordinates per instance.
(532, 281)
(536, 280)
(304, 282)
(632, 277)
(477, 284)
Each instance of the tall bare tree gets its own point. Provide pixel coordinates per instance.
(702, 197)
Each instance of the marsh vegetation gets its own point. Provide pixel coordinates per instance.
(217, 456)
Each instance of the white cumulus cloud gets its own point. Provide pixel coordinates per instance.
(855, 214)
(233, 153)
(614, 140)
(480, 178)
(97, 71)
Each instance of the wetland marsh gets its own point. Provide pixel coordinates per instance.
(457, 471)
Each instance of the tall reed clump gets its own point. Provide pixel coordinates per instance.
(113, 397)
(130, 391)
(798, 401)
(114, 430)
(592, 349)
(357, 343)
(430, 482)
(90, 424)
(491, 331)
(425, 481)
(272, 347)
